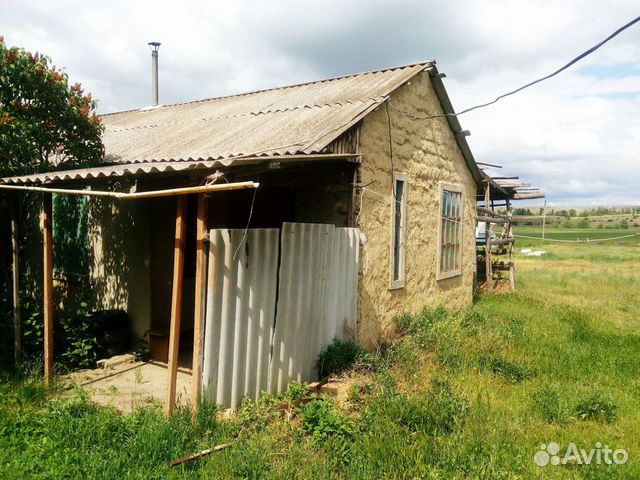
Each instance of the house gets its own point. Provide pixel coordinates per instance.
(364, 209)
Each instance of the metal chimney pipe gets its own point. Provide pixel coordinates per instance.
(155, 46)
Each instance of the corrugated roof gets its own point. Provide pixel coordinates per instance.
(131, 169)
(299, 119)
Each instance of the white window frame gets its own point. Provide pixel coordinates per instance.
(398, 265)
(446, 187)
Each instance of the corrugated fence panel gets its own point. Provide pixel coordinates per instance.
(342, 302)
(304, 269)
(240, 314)
(247, 350)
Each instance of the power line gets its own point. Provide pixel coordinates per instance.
(530, 84)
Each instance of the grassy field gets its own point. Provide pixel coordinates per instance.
(453, 394)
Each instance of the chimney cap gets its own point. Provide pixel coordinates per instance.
(154, 46)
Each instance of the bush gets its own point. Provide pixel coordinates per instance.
(79, 342)
(548, 403)
(335, 358)
(326, 424)
(597, 406)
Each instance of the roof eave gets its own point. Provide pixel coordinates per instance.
(454, 124)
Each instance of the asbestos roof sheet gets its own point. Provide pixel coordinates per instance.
(113, 171)
(299, 119)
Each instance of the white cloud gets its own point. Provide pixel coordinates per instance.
(575, 135)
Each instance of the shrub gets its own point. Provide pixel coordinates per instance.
(326, 424)
(335, 358)
(548, 403)
(597, 406)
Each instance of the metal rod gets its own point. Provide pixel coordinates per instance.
(137, 195)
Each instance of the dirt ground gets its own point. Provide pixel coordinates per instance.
(130, 384)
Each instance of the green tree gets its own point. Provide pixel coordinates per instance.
(45, 124)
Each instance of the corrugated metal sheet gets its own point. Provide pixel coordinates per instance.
(114, 171)
(342, 303)
(305, 267)
(282, 121)
(240, 314)
(246, 351)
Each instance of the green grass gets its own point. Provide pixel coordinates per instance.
(452, 395)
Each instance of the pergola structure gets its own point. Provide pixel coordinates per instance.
(499, 191)
(178, 274)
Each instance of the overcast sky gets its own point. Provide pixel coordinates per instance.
(577, 135)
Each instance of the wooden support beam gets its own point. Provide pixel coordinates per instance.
(513, 184)
(512, 266)
(176, 301)
(202, 239)
(489, 212)
(528, 196)
(48, 288)
(505, 178)
(488, 219)
(505, 267)
(487, 239)
(503, 241)
(15, 272)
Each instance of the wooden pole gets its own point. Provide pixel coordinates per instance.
(512, 271)
(487, 239)
(17, 333)
(199, 308)
(48, 289)
(176, 302)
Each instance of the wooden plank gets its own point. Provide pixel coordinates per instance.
(528, 196)
(15, 273)
(513, 184)
(136, 195)
(48, 288)
(202, 453)
(488, 219)
(489, 165)
(176, 301)
(488, 211)
(512, 269)
(487, 236)
(199, 308)
(503, 241)
(502, 266)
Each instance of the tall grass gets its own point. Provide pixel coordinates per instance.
(454, 394)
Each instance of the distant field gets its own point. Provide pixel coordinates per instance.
(576, 234)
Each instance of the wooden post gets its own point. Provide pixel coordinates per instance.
(48, 289)
(17, 332)
(199, 304)
(487, 240)
(512, 271)
(176, 301)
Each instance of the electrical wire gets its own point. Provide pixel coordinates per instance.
(246, 229)
(530, 84)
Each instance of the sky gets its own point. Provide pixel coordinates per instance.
(577, 135)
